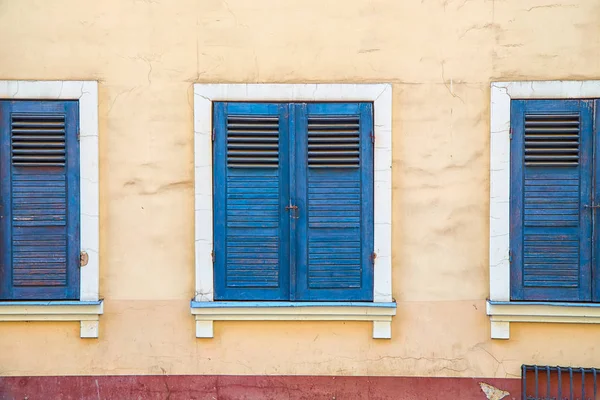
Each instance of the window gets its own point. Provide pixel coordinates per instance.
(39, 202)
(49, 223)
(544, 197)
(293, 201)
(292, 216)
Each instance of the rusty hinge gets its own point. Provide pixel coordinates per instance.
(372, 138)
(83, 258)
(212, 255)
(510, 133)
(373, 257)
(213, 134)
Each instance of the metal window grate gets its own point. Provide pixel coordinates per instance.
(558, 383)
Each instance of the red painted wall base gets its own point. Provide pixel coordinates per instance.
(203, 387)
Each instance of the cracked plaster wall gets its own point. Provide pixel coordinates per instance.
(440, 56)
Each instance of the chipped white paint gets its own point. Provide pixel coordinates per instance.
(87, 314)
(89, 329)
(491, 392)
(379, 94)
(501, 315)
(500, 329)
(86, 92)
(380, 316)
(501, 94)
(204, 329)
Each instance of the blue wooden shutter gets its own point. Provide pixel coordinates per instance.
(251, 191)
(334, 195)
(39, 169)
(551, 185)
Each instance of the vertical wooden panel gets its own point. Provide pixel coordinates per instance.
(551, 191)
(40, 200)
(251, 192)
(334, 193)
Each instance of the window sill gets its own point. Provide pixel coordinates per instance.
(502, 313)
(206, 312)
(86, 312)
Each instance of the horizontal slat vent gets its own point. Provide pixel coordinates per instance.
(334, 142)
(38, 140)
(252, 142)
(552, 140)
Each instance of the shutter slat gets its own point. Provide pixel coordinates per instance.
(252, 142)
(551, 150)
(29, 142)
(324, 148)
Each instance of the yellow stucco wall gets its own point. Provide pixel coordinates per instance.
(440, 56)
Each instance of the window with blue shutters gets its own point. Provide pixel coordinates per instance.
(555, 191)
(293, 201)
(39, 200)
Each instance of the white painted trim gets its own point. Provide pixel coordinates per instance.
(87, 314)
(379, 94)
(502, 314)
(501, 95)
(380, 316)
(86, 92)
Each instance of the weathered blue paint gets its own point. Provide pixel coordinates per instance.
(544, 303)
(551, 230)
(334, 238)
(251, 193)
(39, 205)
(34, 303)
(284, 304)
(596, 200)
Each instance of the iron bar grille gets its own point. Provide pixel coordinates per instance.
(558, 383)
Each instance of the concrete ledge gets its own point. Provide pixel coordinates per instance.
(503, 312)
(87, 312)
(206, 312)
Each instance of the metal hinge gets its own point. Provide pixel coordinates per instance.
(212, 255)
(509, 256)
(83, 259)
(213, 134)
(510, 133)
(373, 257)
(78, 136)
(372, 138)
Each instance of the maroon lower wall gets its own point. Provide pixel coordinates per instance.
(202, 387)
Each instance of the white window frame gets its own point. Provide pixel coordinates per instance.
(381, 310)
(501, 310)
(89, 306)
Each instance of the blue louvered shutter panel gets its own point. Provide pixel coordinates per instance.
(251, 191)
(39, 229)
(334, 195)
(551, 185)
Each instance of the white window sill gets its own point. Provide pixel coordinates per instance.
(206, 312)
(502, 313)
(86, 312)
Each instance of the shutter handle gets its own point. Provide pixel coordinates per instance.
(295, 208)
(594, 206)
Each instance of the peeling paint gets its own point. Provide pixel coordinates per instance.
(493, 393)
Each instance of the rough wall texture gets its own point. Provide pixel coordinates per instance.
(440, 56)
